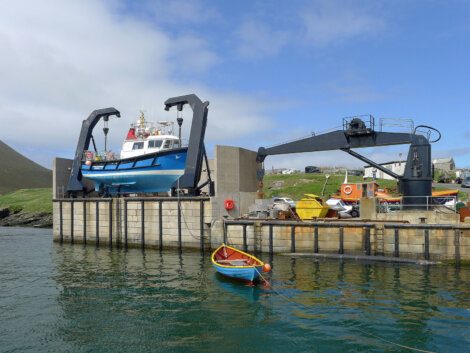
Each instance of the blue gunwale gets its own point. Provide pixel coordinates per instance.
(117, 162)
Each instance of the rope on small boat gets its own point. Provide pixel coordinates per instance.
(356, 328)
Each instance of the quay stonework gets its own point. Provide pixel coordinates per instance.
(203, 223)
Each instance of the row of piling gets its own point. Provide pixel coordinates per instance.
(271, 224)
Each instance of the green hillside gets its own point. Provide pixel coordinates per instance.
(19, 172)
(296, 185)
(28, 200)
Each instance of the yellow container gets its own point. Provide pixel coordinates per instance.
(311, 207)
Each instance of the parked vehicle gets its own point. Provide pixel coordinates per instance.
(312, 169)
(286, 200)
(444, 178)
(344, 211)
(466, 182)
(288, 171)
(355, 172)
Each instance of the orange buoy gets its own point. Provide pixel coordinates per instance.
(88, 163)
(266, 268)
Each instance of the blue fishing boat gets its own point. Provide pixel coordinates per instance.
(151, 160)
(155, 172)
(237, 264)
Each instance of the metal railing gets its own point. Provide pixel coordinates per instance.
(397, 124)
(444, 204)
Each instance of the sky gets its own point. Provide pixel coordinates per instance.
(272, 71)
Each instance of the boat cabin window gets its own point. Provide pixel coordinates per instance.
(176, 144)
(138, 146)
(167, 144)
(155, 143)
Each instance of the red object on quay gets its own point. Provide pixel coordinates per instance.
(229, 204)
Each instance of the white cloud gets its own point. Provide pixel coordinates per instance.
(321, 23)
(61, 60)
(351, 87)
(327, 22)
(257, 39)
(182, 11)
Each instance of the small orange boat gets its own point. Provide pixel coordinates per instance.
(237, 264)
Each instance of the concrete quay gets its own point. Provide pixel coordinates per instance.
(203, 222)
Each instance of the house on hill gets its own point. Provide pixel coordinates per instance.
(397, 167)
(445, 164)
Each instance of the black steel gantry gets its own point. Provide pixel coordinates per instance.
(416, 181)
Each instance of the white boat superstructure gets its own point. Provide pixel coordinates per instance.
(144, 137)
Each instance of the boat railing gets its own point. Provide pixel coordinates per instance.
(98, 156)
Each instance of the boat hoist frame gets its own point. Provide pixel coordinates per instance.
(414, 184)
(196, 153)
(75, 184)
(196, 150)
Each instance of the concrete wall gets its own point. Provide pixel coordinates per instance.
(190, 222)
(443, 244)
(414, 217)
(235, 179)
(60, 176)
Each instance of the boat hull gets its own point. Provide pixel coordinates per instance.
(242, 274)
(150, 173)
(236, 264)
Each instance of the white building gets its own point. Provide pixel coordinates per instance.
(397, 167)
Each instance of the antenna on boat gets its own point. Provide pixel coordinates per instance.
(179, 120)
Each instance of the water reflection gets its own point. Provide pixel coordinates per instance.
(128, 300)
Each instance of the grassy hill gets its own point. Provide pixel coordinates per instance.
(19, 172)
(28, 200)
(296, 185)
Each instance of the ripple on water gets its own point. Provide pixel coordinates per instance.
(80, 299)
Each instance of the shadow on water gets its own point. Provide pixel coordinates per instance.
(82, 299)
(232, 287)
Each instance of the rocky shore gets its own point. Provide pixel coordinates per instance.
(18, 218)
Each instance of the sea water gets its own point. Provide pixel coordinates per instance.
(75, 298)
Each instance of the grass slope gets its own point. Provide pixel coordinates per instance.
(19, 172)
(296, 185)
(28, 200)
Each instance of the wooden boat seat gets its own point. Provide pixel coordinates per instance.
(238, 262)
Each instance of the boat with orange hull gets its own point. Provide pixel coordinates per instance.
(443, 193)
(237, 264)
(351, 193)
